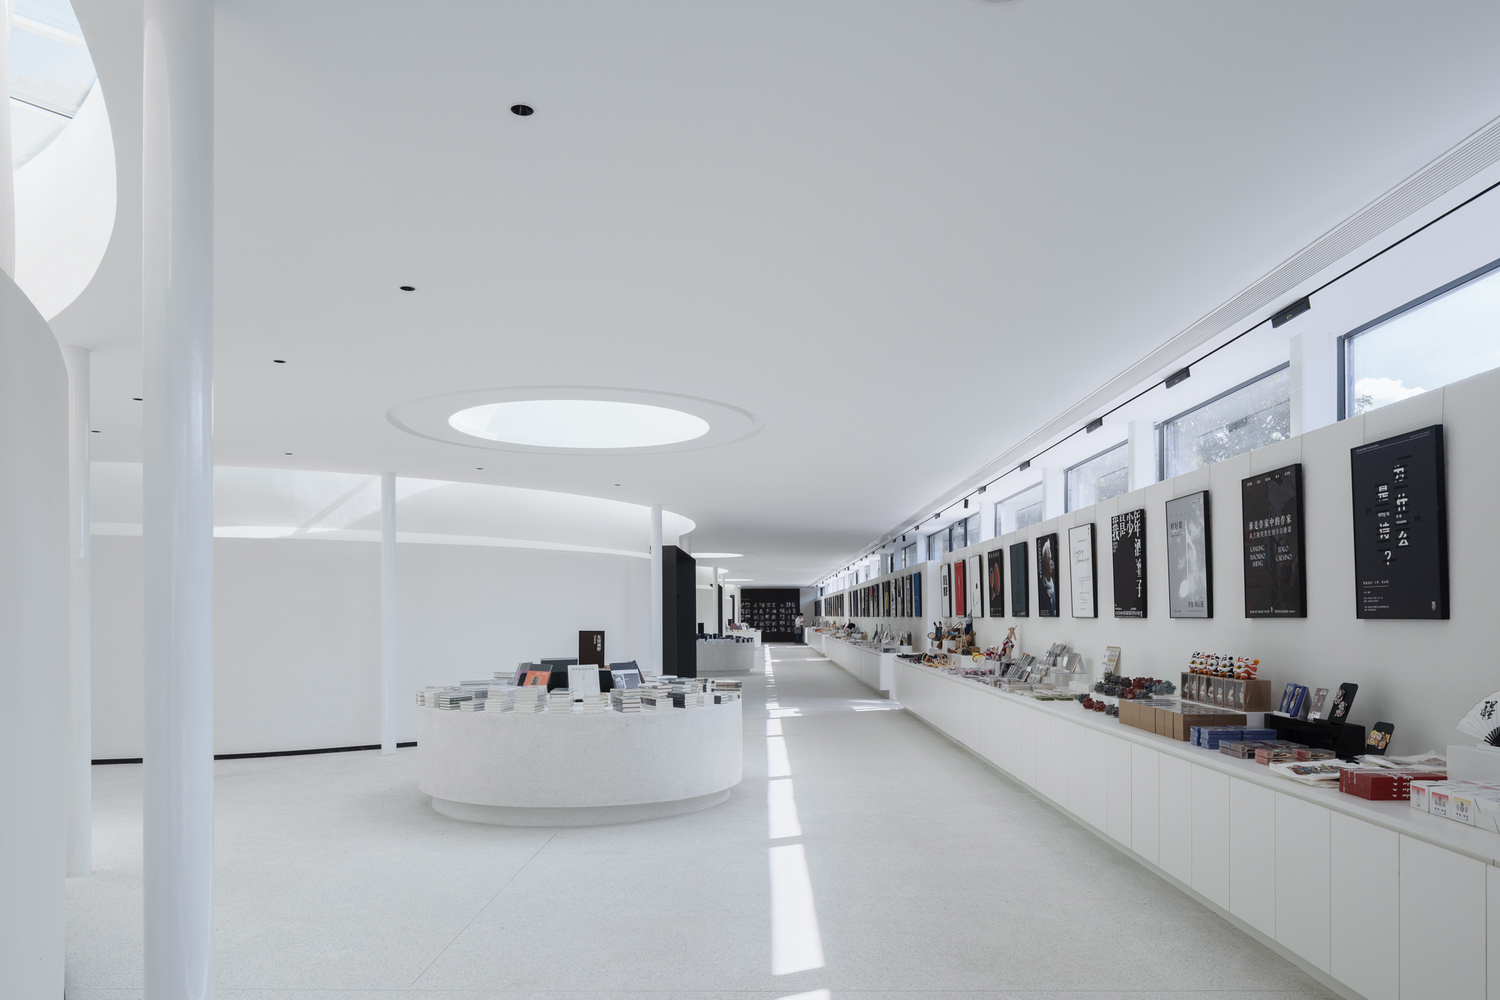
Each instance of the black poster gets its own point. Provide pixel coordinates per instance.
(997, 583)
(916, 595)
(1401, 526)
(1275, 574)
(1127, 543)
(885, 598)
(772, 610)
(1020, 587)
(1047, 605)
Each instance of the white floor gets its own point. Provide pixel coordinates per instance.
(932, 878)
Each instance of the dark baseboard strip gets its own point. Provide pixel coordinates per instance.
(267, 753)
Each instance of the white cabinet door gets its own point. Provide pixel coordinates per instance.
(1252, 854)
(1117, 757)
(1365, 894)
(1302, 887)
(1028, 746)
(1442, 923)
(1143, 802)
(1211, 834)
(1078, 770)
(1174, 835)
(1493, 902)
(990, 727)
(1096, 780)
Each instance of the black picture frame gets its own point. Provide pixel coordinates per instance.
(1190, 565)
(1400, 505)
(1127, 541)
(1020, 585)
(995, 563)
(1275, 544)
(1083, 574)
(1048, 592)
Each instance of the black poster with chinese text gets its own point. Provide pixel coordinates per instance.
(1401, 526)
(1127, 540)
(1275, 573)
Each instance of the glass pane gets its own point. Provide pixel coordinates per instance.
(973, 527)
(1442, 340)
(937, 544)
(1098, 478)
(49, 73)
(960, 536)
(1255, 416)
(31, 131)
(1027, 516)
(53, 13)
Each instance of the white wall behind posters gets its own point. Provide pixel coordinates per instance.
(1423, 676)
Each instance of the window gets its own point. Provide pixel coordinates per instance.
(1027, 516)
(1251, 415)
(1019, 510)
(1099, 478)
(958, 536)
(50, 74)
(909, 555)
(973, 528)
(937, 544)
(1446, 335)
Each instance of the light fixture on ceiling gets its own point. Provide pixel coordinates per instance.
(966, 503)
(523, 110)
(578, 423)
(408, 288)
(717, 555)
(1291, 312)
(277, 361)
(136, 398)
(1024, 466)
(1178, 377)
(1094, 425)
(983, 488)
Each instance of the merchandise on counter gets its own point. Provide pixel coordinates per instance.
(1379, 738)
(1483, 720)
(1308, 772)
(560, 702)
(1341, 702)
(1212, 736)
(1277, 752)
(1244, 750)
(1318, 705)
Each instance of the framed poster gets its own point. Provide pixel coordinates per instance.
(1190, 567)
(975, 577)
(1401, 526)
(1127, 544)
(997, 583)
(1020, 586)
(960, 592)
(947, 578)
(1047, 604)
(885, 599)
(1275, 574)
(908, 588)
(916, 595)
(1081, 571)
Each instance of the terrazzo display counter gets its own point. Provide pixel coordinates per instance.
(717, 658)
(542, 769)
(871, 666)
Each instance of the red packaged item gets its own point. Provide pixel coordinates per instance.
(1381, 784)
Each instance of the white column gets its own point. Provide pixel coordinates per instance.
(1054, 492)
(177, 295)
(1140, 453)
(388, 612)
(1314, 378)
(7, 175)
(80, 657)
(656, 598)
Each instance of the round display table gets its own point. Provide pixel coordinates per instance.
(541, 769)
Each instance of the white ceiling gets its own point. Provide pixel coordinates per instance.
(902, 236)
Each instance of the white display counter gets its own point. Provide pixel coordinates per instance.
(1303, 869)
(718, 658)
(541, 769)
(745, 633)
(871, 666)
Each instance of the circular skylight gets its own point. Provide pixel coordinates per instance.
(578, 423)
(716, 555)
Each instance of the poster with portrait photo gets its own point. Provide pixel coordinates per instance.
(974, 575)
(1190, 568)
(1020, 583)
(1275, 574)
(997, 583)
(1127, 543)
(1048, 604)
(947, 586)
(1081, 571)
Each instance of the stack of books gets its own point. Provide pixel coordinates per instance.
(427, 697)
(500, 699)
(1212, 736)
(625, 699)
(1277, 751)
(531, 699)
(560, 702)
(592, 704)
(654, 699)
(449, 699)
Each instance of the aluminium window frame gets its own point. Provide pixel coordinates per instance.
(1067, 498)
(1345, 374)
(1161, 428)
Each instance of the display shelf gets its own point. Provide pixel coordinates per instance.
(1345, 739)
(872, 666)
(1228, 692)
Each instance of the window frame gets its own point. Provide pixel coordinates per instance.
(1161, 428)
(1067, 487)
(1345, 373)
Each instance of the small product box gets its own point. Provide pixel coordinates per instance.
(1419, 794)
(1461, 806)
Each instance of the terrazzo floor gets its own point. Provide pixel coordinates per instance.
(933, 878)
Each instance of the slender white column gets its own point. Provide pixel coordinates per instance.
(7, 175)
(80, 658)
(388, 612)
(177, 272)
(656, 608)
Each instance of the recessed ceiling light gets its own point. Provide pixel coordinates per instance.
(277, 361)
(288, 453)
(522, 109)
(136, 398)
(716, 555)
(408, 288)
(93, 432)
(578, 423)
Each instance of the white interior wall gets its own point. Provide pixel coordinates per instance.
(296, 631)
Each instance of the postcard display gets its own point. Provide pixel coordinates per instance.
(1190, 568)
(1275, 572)
(1127, 541)
(1401, 526)
(1081, 571)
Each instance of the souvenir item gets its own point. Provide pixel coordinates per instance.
(1127, 540)
(1189, 558)
(1081, 571)
(1401, 526)
(996, 561)
(1379, 738)
(1275, 574)
(1047, 605)
(1483, 720)
(1319, 704)
(1341, 702)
